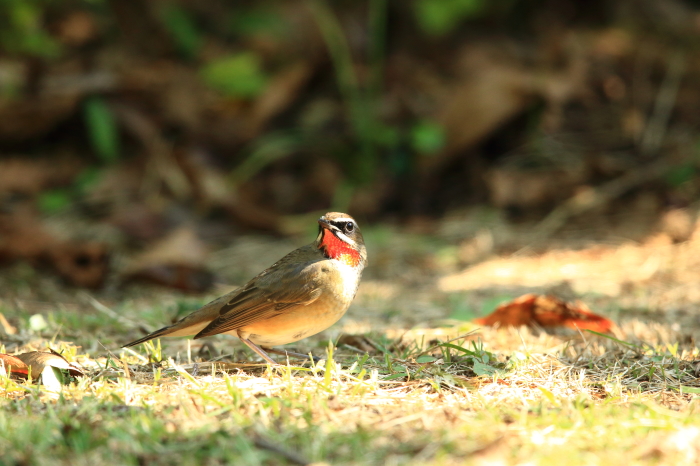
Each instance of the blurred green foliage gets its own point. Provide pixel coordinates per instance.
(427, 137)
(22, 28)
(182, 28)
(439, 17)
(686, 171)
(240, 75)
(375, 144)
(53, 201)
(102, 129)
(264, 151)
(56, 200)
(369, 145)
(379, 145)
(88, 178)
(360, 98)
(258, 20)
(681, 174)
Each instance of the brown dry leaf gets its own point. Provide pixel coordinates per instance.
(30, 118)
(548, 312)
(176, 261)
(492, 86)
(512, 187)
(249, 214)
(13, 366)
(179, 276)
(495, 90)
(117, 186)
(85, 264)
(212, 188)
(162, 166)
(209, 183)
(31, 176)
(140, 222)
(76, 28)
(23, 237)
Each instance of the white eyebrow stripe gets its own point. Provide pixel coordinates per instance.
(342, 237)
(342, 219)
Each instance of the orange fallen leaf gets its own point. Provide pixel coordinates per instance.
(13, 366)
(548, 312)
(49, 368)
(39, 360)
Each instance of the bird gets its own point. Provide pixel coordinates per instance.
(302, 294)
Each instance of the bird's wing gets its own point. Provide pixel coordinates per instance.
(285, 285)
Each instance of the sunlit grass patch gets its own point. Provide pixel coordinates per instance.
(413, 400)
(412, 381)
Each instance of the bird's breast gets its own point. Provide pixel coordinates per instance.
(343, 280)
(338, 283)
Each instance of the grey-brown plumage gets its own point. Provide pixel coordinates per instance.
(305, 292)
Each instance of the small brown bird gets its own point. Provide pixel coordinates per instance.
(305, 292)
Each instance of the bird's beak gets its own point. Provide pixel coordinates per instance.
(325, 224)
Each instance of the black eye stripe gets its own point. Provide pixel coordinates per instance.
(344, 226)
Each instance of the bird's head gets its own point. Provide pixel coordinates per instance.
(340, 238)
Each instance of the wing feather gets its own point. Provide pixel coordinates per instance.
(275, 291)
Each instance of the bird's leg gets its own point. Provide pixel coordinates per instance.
(291, 353)
(258, 350)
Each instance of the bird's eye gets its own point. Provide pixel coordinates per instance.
(349, 227)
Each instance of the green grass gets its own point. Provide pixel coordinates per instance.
(379, 408)
(411, 386)
(277, 417)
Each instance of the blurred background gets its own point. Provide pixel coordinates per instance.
(138, 136)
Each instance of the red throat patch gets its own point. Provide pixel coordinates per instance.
(334, 248)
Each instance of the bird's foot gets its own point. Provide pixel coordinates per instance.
(292, 353)
(263, 352)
